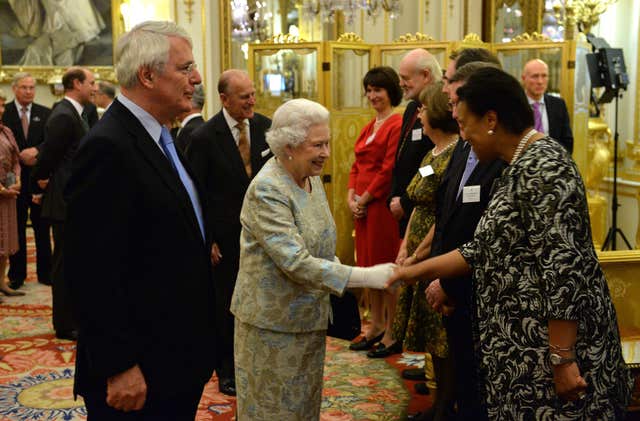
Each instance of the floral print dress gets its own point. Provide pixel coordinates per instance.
(416, 324)
(533, 260)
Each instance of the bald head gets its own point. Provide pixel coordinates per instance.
(418, 69)
(237, 94)
(535, 78)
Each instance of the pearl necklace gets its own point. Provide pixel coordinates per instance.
(521, 145)
(450, 144)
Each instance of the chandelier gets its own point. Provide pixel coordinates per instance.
(327, 9)
(249, 20)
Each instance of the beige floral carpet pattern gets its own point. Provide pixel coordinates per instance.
(36, 372)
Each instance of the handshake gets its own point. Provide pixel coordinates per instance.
(376, 277)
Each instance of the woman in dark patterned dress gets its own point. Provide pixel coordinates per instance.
(548, 341)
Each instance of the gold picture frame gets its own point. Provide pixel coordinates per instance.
(108, 26)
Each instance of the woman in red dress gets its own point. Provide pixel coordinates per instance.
(377, 239)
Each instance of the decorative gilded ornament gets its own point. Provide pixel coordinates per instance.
(188, 4)
(284, 39)
(472, 38)
(414, 38)
(534, 37)
(349, 37)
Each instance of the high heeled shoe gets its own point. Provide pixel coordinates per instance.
(10, 292)
(362, 343)
(382, 351)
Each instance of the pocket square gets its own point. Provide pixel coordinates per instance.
(265, 152)
(36, 118)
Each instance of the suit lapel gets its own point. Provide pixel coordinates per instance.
(461, 154)
(152, 153)
(229, 147)
(13, 117)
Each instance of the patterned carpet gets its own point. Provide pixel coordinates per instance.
(36, 372)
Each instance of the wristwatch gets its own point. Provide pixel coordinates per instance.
(557, 359)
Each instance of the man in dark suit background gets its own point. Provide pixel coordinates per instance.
(104, 95)
(418, 69)
(26, 119)
(191, 120)
(66, 125)
(136, 255)
(550, 112)
(226, 153)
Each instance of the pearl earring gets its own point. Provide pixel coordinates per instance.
(490, 132)
(290, 157)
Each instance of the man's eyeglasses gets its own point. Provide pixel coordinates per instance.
(188, 69)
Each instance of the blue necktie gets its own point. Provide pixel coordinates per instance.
(472, 161)
(166, 142)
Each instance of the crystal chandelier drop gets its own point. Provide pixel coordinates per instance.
(327, 9)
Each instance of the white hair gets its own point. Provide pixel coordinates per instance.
(18, 77)
(145, 45)
(291, 123)
(430, 63)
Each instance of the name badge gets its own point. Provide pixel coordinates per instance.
(471, 194)
(265, 152)
(416, 134)
(426, 171)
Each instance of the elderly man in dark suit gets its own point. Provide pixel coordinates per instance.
(550, 112)
(191, 120)
(226, 153)
(26, 119)
(418, 69)
(137, 258)
(66, 125)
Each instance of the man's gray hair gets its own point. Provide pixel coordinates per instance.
(145, 45)
(18, 77)
(466, 70)
(197, 100)
(107, 88)
(430, 63)
(291, 123)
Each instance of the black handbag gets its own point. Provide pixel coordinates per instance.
(346, 322)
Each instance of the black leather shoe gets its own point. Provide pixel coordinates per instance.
(362, 343)
(15, 284)
(227, 386)
(414, 374)
(382, 351)
(71, 335)
(45, 282)
(421, 388)
(421, 416)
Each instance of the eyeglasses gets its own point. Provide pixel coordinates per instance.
(188, 69)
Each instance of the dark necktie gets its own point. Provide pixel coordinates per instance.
(85, 120)
(166, 142)
(25, 122)
(244, 148)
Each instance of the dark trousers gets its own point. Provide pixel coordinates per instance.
(225, 280)
(182, 407)
(62, 312)
(443, 405)
(18, 262)
(465, 371)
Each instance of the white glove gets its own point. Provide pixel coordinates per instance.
(372, 277)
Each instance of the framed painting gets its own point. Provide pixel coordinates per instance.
(46, 36)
